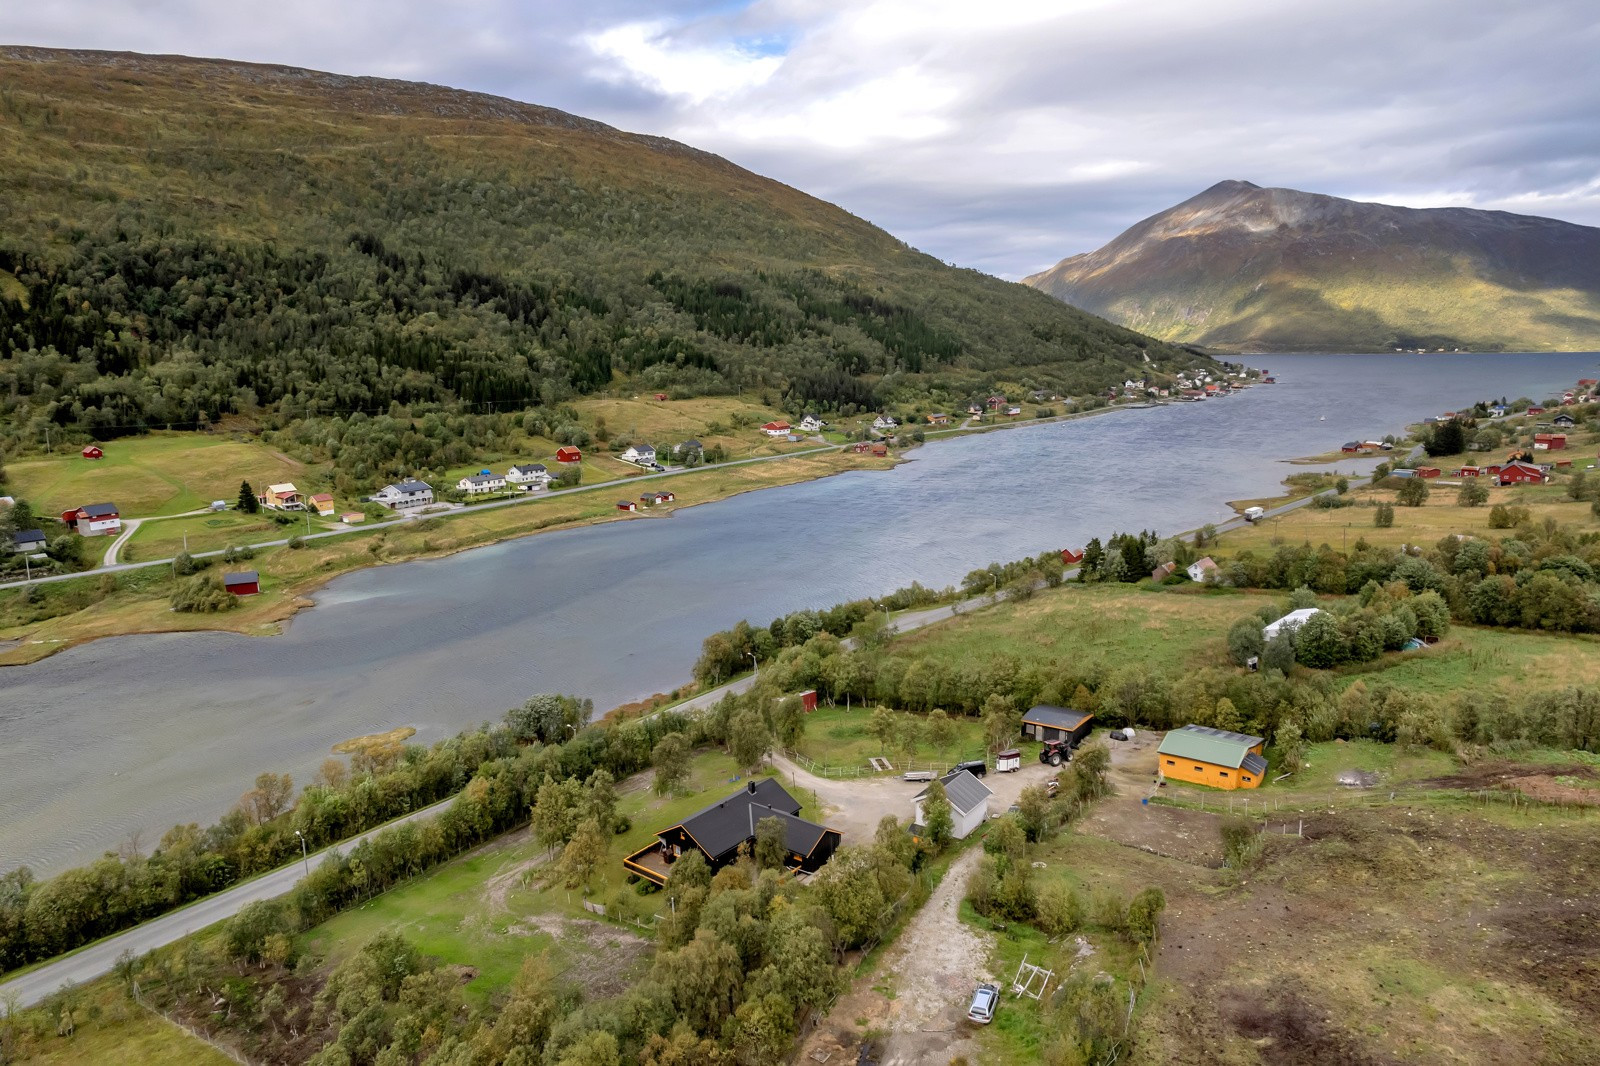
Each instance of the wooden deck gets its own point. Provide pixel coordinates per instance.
(649, 863)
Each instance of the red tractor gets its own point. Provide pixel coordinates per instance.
(1056, 752)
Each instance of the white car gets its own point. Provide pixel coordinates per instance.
(984, 1002)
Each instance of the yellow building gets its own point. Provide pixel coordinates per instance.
(1201, 755)
(283, 497)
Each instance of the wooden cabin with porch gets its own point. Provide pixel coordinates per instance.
(720, 830)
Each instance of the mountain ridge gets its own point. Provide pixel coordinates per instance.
(1244, 267)
(182, 239)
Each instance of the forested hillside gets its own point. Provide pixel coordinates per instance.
(185, 240)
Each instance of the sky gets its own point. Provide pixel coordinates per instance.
(996, 134)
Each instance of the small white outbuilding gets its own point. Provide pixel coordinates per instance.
(1291, 621)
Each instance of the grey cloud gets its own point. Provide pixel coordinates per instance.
(1394, 99)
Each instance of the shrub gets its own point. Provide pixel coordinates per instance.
(202, 594)
(1383, 517)
(1241, 843)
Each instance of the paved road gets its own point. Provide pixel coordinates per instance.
(112, 566)
(98, 959)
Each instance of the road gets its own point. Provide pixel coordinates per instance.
(97, 959)
(112, 566)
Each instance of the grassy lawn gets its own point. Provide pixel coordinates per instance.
(110, 1028)
(210, 532)
(838, 737)
(492, 908)
(1165, 628)
(1393, 765)
(159, 474)
(1475, 657)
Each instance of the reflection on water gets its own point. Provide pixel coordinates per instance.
(137, 733)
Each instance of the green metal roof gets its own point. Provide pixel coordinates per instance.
(1204, 744)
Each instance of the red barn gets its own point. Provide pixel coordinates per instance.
(1071, 557)
(808, 700)
(1467, 471)
(242, 582)
(568, 455)
(91, 451)
(1549, 441)
(1520, 473)
(627, 505)
(1428, 471)
(1536, 410)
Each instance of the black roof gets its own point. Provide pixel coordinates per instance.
(730, 821)
(1056, 717)
(98, 510)
(1254, 763)
(241, 577)
(28, 536)
(799, 835)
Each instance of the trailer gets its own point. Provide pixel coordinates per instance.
(918, 775)
(1008, 761)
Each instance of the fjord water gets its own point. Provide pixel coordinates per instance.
(138, 733)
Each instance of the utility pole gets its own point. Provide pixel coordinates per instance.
(305, 856)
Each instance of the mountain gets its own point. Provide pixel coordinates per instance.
(181, 239)
(1243, 268)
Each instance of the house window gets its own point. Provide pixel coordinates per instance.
(1246, 777)
(1171, 763)
(1199, 769)
(1222, 773)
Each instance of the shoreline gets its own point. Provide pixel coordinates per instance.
(272, 620)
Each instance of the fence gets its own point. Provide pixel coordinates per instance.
(191, 1030)
(812, 766)
(1345, 799)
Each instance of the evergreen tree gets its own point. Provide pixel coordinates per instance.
(247, 498)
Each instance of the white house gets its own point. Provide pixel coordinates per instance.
(643, 454)
(529, 476)
(811, 424)
(1291, 621)
(477, 484)
(94, 519)
(27, 541)
(407, 495)
(1201, 567)
(884, 422)
(969, 802)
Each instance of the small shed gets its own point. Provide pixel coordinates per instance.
(1071, 556)
(627, 505)
(1008, 761)
(242, 582)
(969, 802)
(1291, 621)
(93, 451)
(1057, 723)
(350, 518)
(808, 700)
(569, 455)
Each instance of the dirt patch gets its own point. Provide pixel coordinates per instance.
(1540, 783)
(1288, 1030)
(603, 960)
(916, 999)
(1124, 818)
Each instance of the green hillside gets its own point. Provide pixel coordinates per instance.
(1242, 268)
(184, 240)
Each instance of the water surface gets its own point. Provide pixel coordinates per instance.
(137, 733)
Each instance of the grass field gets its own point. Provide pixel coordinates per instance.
(163, 473)
(839, 737)
(112, 1029)
(1421, 933)
(490, 909)
(212, 532)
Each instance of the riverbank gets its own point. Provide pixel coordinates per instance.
(138, 602)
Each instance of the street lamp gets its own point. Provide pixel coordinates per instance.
(305, 856)
(755, 664)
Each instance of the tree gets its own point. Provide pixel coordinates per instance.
(596, 1048)
(1001, 721)
(554, 816)
(268, 799)
(748, 740)
(941, 731)
(1033, 812)
(1413, 492)
(1474, 493)
(702, 979)
(1383, 515)
(1144, 916)
(548, 717)
(937, 817)
(247, 499)
(1319, 643)
(771, 844)
(1245, 640)
(1291, 747)
(883, 725)
(583, 854)
(670, 757)
(1447, 438)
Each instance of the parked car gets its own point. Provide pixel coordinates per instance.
(984, 1001)
(978, 767)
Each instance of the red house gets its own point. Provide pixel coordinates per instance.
(91, 451)
(568, 455)
(1549, 441)
(1428, 471)
(1071, 557)
(1521, 473)
(1467, 471)
(1536, 410)
(627, 505)
(242, 582)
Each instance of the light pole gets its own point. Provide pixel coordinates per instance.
(755, 664)
(305, 856)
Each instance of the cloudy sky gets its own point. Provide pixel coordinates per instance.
(996, 134)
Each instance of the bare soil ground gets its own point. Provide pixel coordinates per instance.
(1190, 836)
(1543, 783)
